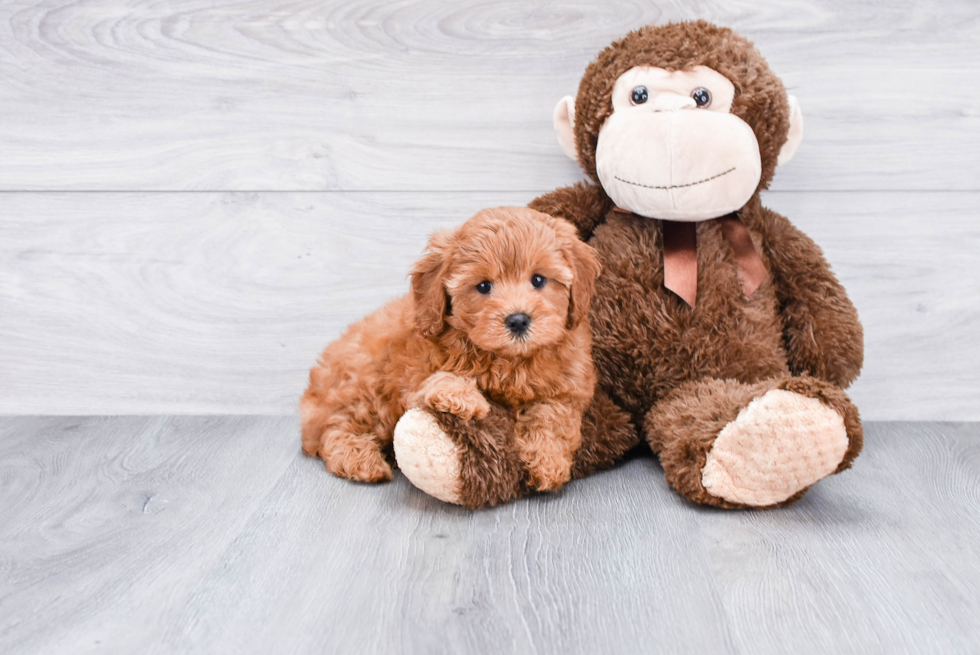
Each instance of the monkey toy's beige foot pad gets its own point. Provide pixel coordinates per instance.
(427, 456)
(780, 444)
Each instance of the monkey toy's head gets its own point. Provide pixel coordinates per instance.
(683, 122)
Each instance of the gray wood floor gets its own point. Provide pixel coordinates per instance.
(215, 535)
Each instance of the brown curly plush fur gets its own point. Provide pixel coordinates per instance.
(490, 463)
(683, 373)
(445, 347)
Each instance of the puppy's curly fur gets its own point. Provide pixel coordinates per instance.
(446, 346)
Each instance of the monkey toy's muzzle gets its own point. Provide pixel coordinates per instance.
(681, 164)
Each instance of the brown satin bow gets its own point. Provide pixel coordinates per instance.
(681, 255)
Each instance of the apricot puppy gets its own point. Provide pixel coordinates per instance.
(498, 311)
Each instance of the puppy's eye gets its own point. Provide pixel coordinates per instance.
(537, 281)
(639, 95)
(702, 97)
(484, 287)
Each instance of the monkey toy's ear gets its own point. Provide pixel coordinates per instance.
(795, 134)
(565, 126)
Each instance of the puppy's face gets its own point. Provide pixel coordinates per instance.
(513, 279)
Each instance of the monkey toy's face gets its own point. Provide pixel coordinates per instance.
(671, 148)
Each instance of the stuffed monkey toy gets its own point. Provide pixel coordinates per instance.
(720, 335)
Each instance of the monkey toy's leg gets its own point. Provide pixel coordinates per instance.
(735, 445)
(476, 463)
(607, 435)
(472, 463)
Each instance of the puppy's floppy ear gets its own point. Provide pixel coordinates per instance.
(428, 285)
(584, 262)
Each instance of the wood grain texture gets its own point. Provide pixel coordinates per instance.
(310, 95)
(220, 302)
(107, 524)
(882, 559)
(216, 535)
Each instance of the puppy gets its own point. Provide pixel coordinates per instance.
(498, 310)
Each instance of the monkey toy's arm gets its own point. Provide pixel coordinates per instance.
(582, 204)
(820, 325)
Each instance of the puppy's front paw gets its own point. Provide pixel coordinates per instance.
(549, 471)
(456, 395)
(466, 406)
(548, 436)
(355, 460)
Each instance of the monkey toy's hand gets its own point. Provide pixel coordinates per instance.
(455, 394)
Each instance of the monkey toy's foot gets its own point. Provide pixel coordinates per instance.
(427, 456)
(777, 446)
(763, 445)
(472, 463)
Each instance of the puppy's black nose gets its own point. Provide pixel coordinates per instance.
(518, 323)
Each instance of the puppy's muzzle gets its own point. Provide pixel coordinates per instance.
(518, 324)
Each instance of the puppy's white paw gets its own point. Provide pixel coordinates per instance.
(427, 456)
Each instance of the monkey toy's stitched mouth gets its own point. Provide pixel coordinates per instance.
(677, 186)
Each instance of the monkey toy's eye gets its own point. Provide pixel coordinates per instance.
(640, 95)
(484, 287)
(538, 281)
(702, 97)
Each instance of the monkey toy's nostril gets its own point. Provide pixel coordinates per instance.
(518, 323)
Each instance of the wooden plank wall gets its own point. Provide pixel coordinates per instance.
(196, 196)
